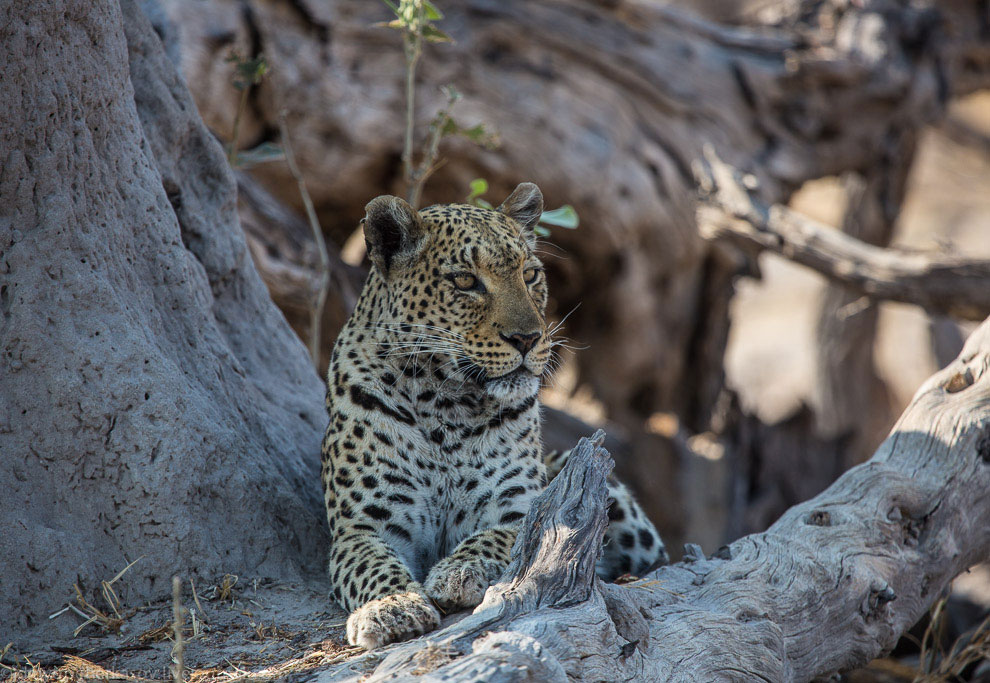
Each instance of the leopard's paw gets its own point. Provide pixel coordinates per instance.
(455, 584)
(391, 619)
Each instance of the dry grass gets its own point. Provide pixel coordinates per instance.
(228, 647)
(224, 591)
(262, 632)
(326, 654)
(110, 621)
(938, 666)
(76, 669)
(73, 670)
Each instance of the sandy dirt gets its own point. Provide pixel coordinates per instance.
(255, 630)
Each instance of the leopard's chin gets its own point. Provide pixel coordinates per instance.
(513, 386)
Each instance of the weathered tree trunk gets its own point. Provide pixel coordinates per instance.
(850, 399)
(828, 587)
(153, 402)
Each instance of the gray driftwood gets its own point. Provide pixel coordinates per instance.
(829, 586)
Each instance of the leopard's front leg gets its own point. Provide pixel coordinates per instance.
(461, 579)
(370, 581)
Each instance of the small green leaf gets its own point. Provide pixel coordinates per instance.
(564, 217)
(434, 35)
(475, 133)
(479, 135)
(479, 186)
(448, 126)
(541, 231)
(247, 72)
(432, 13)
(262, 154)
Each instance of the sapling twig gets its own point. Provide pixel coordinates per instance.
(320, 296)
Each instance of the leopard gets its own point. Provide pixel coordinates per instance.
(433, 451)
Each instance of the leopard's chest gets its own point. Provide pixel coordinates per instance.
(458, 490)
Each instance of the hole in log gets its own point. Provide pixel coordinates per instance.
(628, 648)
(959, 381)
(723, 553)
(819, 518)
(911, 527)
(748, 615)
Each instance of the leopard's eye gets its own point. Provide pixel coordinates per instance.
(529, 275)
(464, 281)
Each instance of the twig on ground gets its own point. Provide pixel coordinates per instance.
(224, 591)
(92, 614)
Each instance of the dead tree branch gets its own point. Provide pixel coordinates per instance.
(828, 587)
(939, 283)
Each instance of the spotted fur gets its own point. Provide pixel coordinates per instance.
(433, 452)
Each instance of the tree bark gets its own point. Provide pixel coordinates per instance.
(829, 586)
(154, 402)
(849, 397)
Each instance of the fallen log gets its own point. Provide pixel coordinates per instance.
(828, 587)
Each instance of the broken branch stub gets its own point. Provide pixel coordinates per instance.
(560, 539)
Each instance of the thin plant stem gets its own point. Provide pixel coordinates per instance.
(413, 49)
(427, 166)
(232, 148)
(178, 646)
(319, 300)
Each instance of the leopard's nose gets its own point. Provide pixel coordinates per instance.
(522, 342)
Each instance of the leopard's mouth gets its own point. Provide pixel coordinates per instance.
(482, 377)
(521, 371)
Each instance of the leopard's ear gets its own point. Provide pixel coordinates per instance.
(393, 232)
(524, 206)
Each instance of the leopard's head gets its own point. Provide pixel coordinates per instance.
(464, 288)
